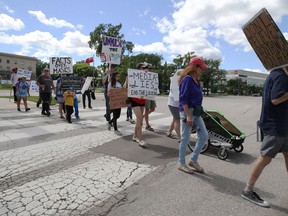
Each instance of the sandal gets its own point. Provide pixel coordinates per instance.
(131, 121)
(171, 136)
(149, 128)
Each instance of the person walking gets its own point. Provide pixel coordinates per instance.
(69, 96)
(14, 80)
(45, 83)
(173, 105)
(87, 93)
(190, 104)
(274, 125)
(22, 92)
(59, 96)
(116, 112)
(105, 81)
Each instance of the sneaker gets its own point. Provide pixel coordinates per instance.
(196, 166)
(254, 198)
(37, 105)
(43, 113)
(27, 109)
(135, 139)
(186, 169)
(48, 114)
(109, 126)
(19, 109)
(117, 132)
(143, 144)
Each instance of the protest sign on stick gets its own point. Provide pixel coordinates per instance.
(267, 40)
(111, 50)
(61, 65)
(24, 72)
(142, 84)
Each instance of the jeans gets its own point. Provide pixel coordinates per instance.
(108, 112)
(129, 112)
(185, 137)
(76, 107)
(88, 94)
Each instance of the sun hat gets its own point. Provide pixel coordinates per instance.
(198, 61)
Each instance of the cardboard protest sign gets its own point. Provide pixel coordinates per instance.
(86, 84)
(111, 50)
(61, 65)
(118, 97)
(34, 86)
(267, 40)
(67, 82)
(24, 72)
(142, 84)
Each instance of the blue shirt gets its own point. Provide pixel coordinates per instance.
(274, 118)
(190, 93)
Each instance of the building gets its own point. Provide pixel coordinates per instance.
(10, 61)
(250, 77)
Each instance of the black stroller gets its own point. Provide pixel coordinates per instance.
(222, 134)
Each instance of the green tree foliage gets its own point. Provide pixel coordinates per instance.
(82, 69)
(40, 65)
(96, 37)
(236, 86)
(182, 61)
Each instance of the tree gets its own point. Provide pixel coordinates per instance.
(96, 37)
(40, 65)
(182, 61)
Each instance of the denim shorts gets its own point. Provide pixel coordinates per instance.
(272, 145)
(175, 112)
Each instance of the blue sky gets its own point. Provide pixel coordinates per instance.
(210, 28)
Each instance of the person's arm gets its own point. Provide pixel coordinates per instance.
(189, 119)
(280, 100)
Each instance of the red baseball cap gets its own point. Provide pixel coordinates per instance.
(198, 61)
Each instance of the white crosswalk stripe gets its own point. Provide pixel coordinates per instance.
(61, 176)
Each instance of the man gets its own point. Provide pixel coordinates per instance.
(274, 125)
(14, 80)
(105, 82)
(45, 83)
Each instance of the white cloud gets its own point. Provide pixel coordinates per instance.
(51, 21)
(151, 48)
(138, 31)
(44, 44)
(10, 23)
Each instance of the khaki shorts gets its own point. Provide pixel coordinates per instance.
(272, 145)
(150, 104)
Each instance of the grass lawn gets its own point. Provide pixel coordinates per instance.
(32, 98)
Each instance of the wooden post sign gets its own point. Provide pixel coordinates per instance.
(118, 97)
(267, 40)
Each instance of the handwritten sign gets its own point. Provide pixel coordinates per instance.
(86, 84)
(24, 72)
(34, 86)
(118, 97)
(174, 87)
(67, 82)
(142, 84)
(61, 65)
(267, 40)
(111, 50)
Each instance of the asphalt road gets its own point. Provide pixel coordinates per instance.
(159, 189)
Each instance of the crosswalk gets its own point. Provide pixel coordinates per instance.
(47, 168)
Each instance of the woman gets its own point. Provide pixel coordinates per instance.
(137, 105)
(116, 112)
(190, 104)
(173, 105)
(22, 91)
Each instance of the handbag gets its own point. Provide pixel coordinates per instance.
(198, 110)
(93, 95)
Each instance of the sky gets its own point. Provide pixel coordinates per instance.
(212, 29)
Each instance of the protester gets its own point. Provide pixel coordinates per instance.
(116, 112)
(45, 83)
(59, 96)
(150, 105)
(22, 92)
(129, 113)
(137, 105)
(173, 105)
(105, 82)
(87, 93)
(69, 96)
(274, 125)
(190, 104)
(14, 80)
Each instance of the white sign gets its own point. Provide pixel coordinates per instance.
(61, 65)
(142, 84)
(86, 84)
(111, 50)
(174, 87)
(34, 86)
(24, 72)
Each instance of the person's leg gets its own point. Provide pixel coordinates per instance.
(39, 100)
(14, 94)
(171, 127)
(89, 99)
(25, 104)
(177, 127)
(202, 135)
(18, 101)
(76, 106)
(107, 115)
(84, 100)
(286, 159)
(60, 108)
(185, 139)
(256, 171)
(138, 111)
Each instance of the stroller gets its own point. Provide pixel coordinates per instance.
(222, 134)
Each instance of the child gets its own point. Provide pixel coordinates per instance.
(22, 91)
(69, 96)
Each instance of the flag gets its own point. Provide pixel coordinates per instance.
(89, 60)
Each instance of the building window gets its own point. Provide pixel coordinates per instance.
(8, 61)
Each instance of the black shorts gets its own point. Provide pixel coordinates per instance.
(135, 104)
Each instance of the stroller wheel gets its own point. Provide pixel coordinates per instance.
(222, 154)
(204, 149)
(238, 148)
